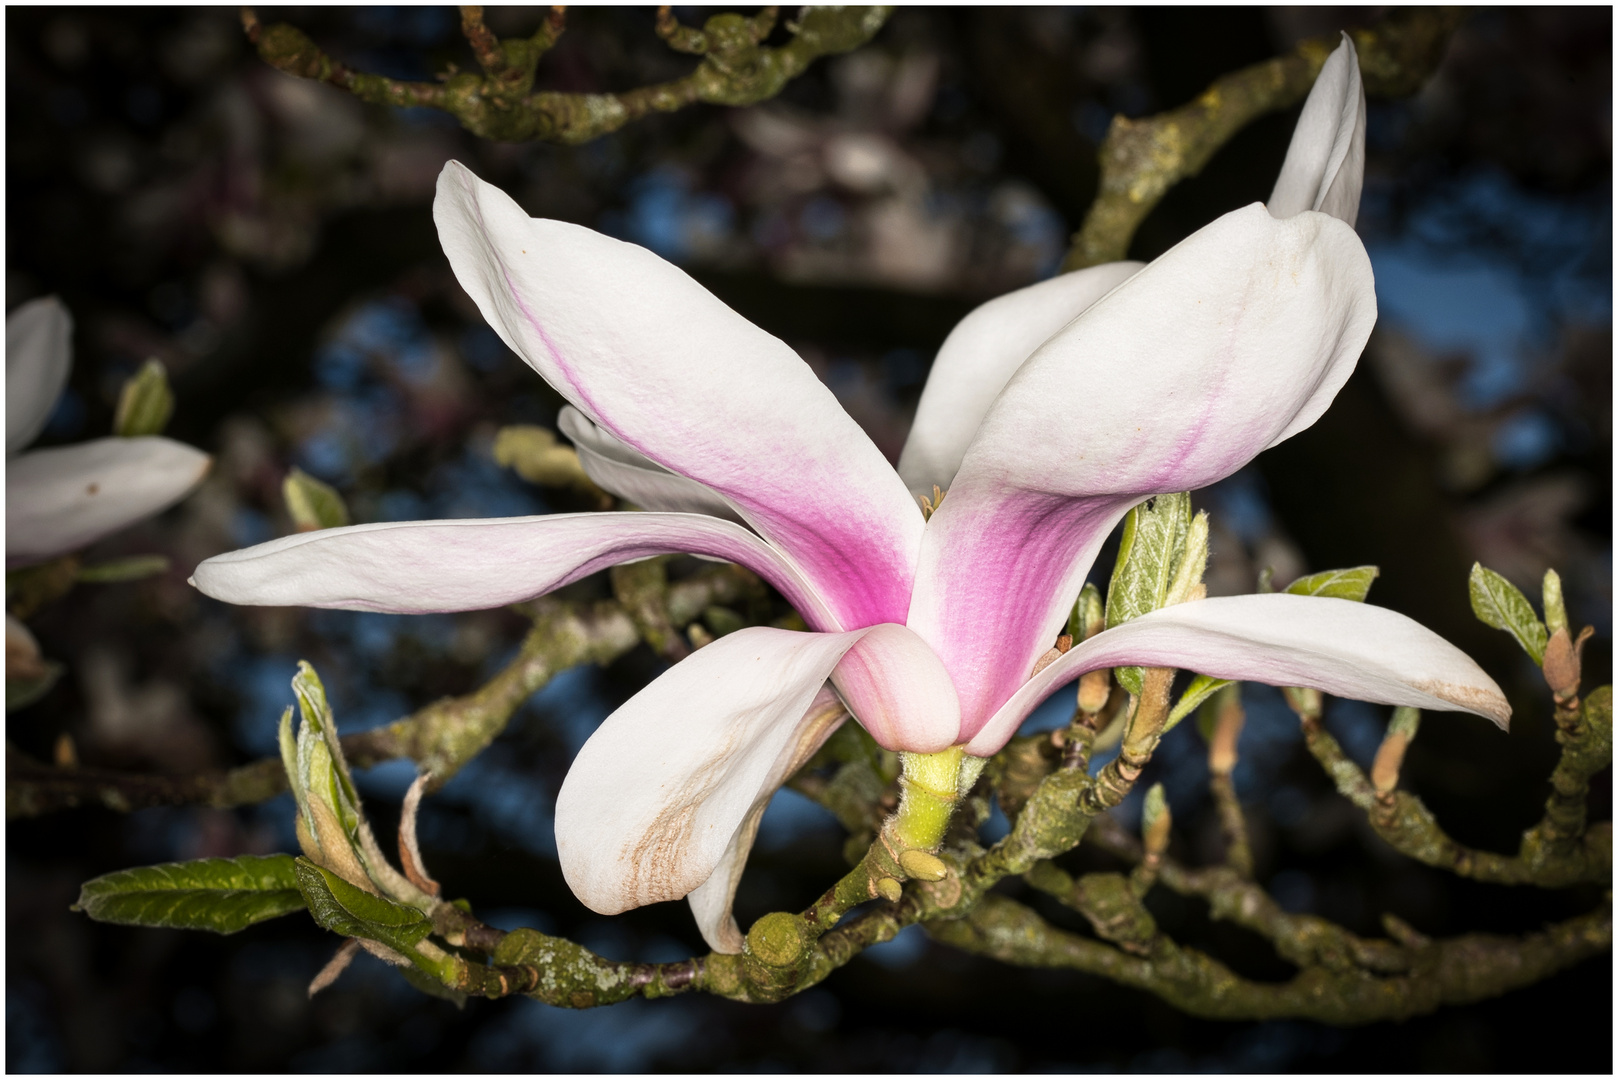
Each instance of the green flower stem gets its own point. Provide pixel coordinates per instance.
(928, 793)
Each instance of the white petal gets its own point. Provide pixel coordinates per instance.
(635, 477)
(653, 803)
(38, 358)
(1325, 164)
(1344, 648)
(421, 566)
(62, 499)
(899, 691)
(1234, 339)
(660, 363)
(712, 900)
(980, 354)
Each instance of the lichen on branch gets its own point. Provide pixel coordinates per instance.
(500, 103)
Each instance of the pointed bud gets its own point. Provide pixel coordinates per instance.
(1095, 687)
(537, 457)
(312, 504)
(1303, 701)
(1228, 720)
(923, 866)
(1555, 608)
(1563, 666)
(145, 403)
(1156, 821)
(1390, 755)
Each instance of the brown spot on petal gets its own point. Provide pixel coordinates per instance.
(92, 489)
(1471, 698)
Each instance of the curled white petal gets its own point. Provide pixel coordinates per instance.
(633, 476)
(1231, 341)
(980, 355)
(1325, 163)
(38, 358)
(60, 500)
(1344, 648)
(659, 362)
(668, 789)
(422, 566)
(711, 901)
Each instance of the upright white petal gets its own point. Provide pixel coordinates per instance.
(62, 499)
(667, 791)
(635, 477)
(656, 360)
(1341, 647)
(39, 355)
(712, 900)
(421, 566)
(1325, 164)
(980, 355)
(1236, 338)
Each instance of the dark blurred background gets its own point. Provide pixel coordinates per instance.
(270, 240)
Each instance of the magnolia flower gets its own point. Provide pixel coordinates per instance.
(64, 498)
(1048, 415)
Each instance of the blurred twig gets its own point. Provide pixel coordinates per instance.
(501, 104)
(441, 737)
(1142, 159)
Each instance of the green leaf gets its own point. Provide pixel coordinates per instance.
(1201, 689)
(347, 909)
(1149, 552)
(1500, 604)
(145, 403)
(722, 620)
(132, 568)
(1350, 584)
(221, 895)
(312, 504)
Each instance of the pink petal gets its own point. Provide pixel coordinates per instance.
(899, 691)
(665, 794)
(68, 497)
(1325, 164)
(657, 361)
(421, 566)
(980, 355)
(39, 355)
(1344, 648)
(1233, 340)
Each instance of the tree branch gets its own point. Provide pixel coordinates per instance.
(500, 103)
(441, 737)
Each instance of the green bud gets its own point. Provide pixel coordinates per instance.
(312, 504)
(1155, 821)
(722, 620)
(1406, 721)
(1555, 609)
(145, 403)
(539, 459)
